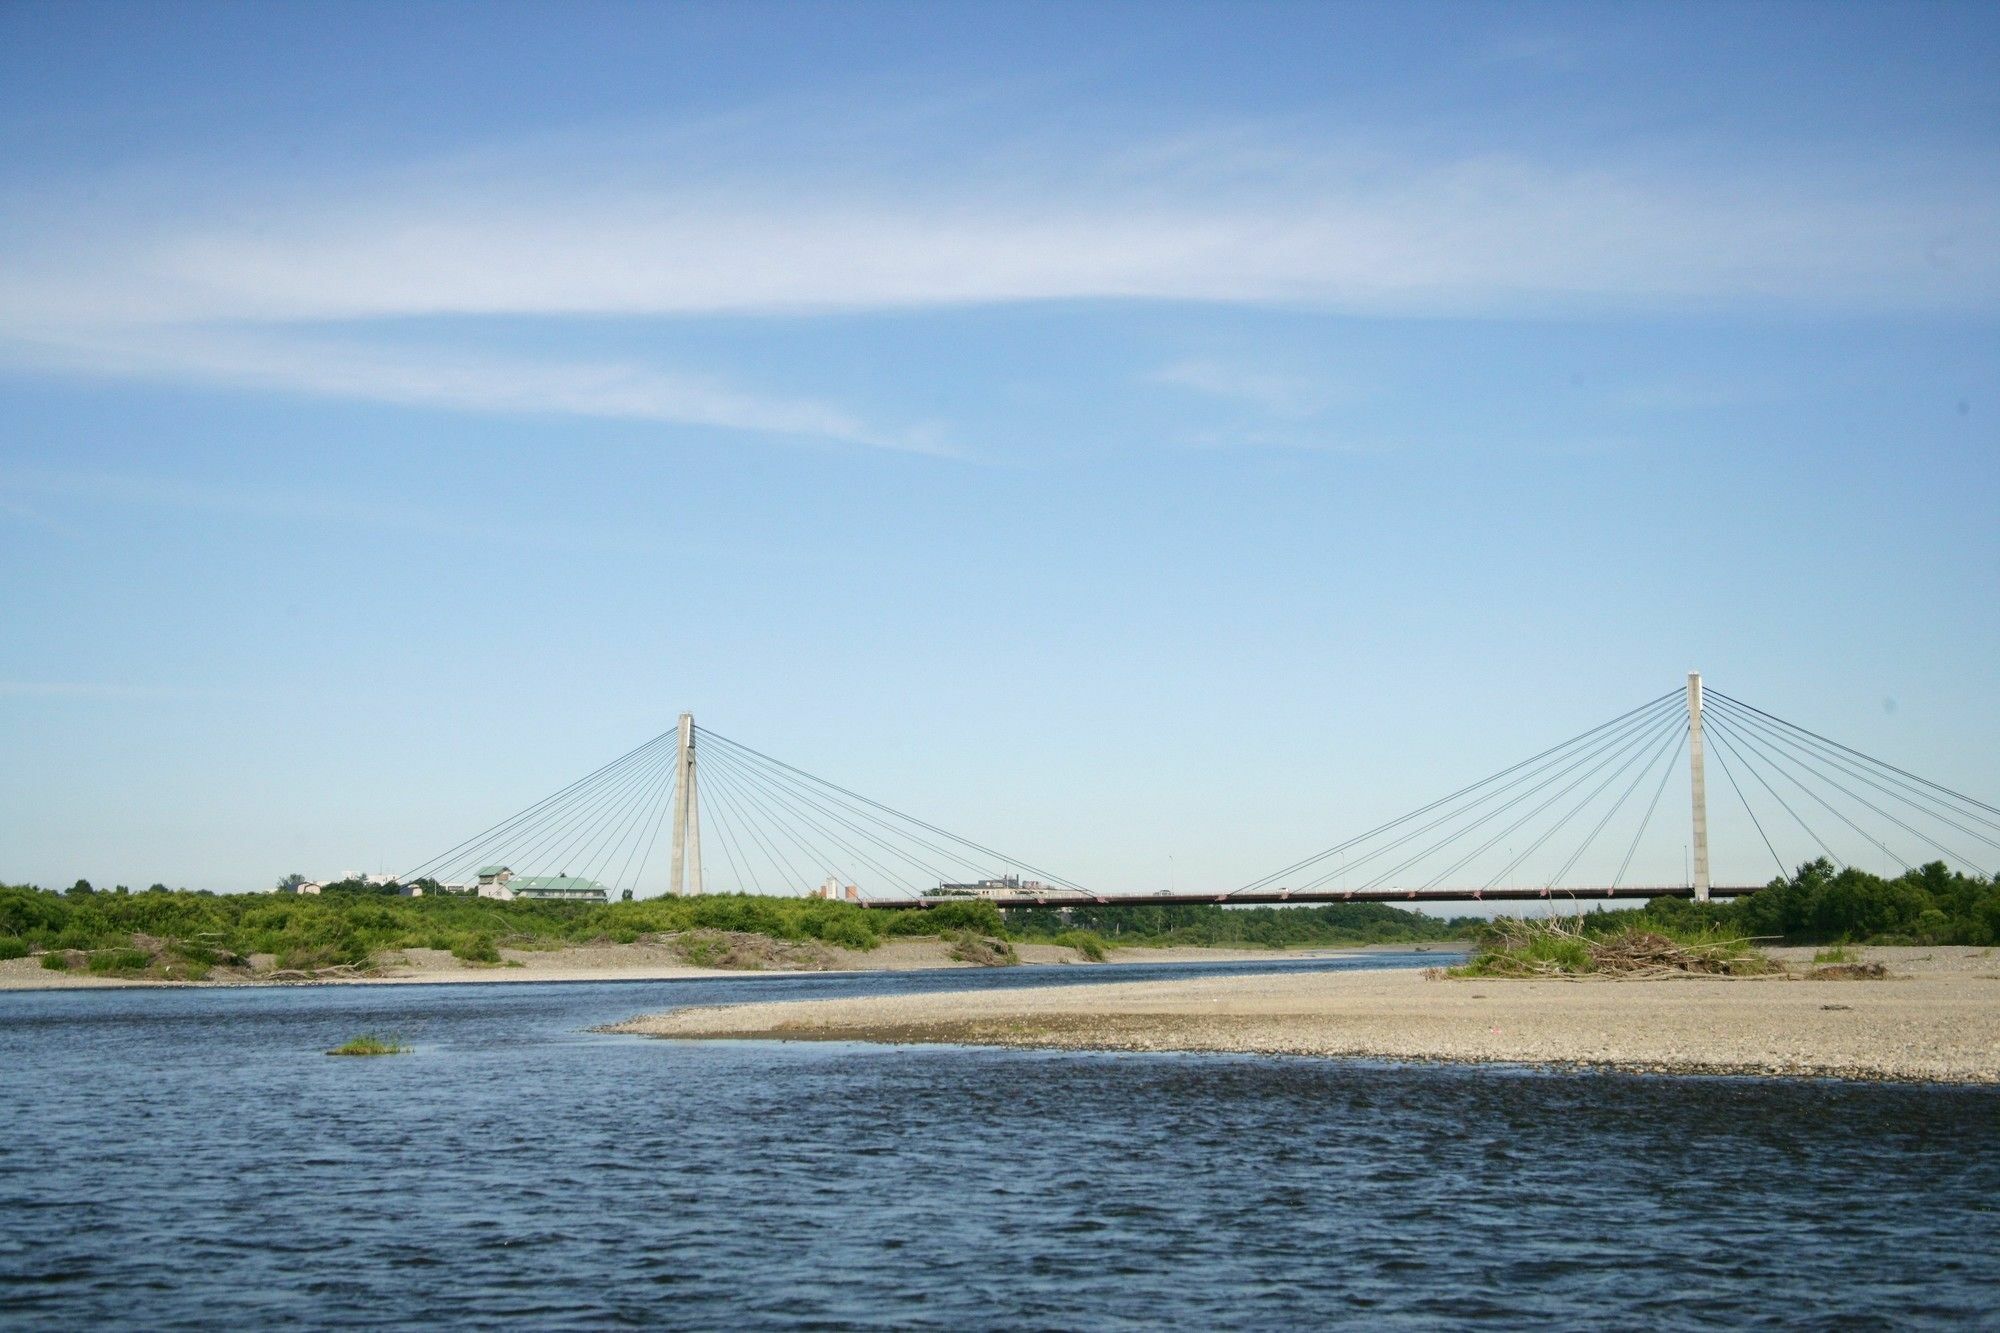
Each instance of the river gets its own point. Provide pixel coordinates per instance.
(189, 1158)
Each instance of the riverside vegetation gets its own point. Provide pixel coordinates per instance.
(168, 934)
(1818, 904)
(182, 935)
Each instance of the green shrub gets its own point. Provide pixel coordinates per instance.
(476, 949)
(56, 961)
(12, 947)
(114, 962)
(849, 931)
(1086, 942)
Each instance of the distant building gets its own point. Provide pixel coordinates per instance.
(1007, 886)
(831, 889)
(563, 888)
(309, 887)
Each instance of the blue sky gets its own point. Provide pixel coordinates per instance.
(1113, 432)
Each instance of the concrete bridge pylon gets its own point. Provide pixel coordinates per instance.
(684, 876)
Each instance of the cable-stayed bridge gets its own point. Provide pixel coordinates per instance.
(1570, 822)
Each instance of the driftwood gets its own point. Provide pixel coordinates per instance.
(332, 972)
(1635, 955)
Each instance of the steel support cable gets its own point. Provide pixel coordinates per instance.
(836, 809)
(1879, 763)
(1646, 821)
(629, 829)
(1821, 754)
(1552, 770)
(1612, 743)
(805, 816)
(477, 838)
(1749, 810)
(1884, 780)
(581, 799)
(768, 841)
(1642, 752)
(829, 804)
(945, 833)
(781, 826)
(717, 821)
(645, 839)
(834, 812)
(1783, 764)
(579, 791)
(1358, 839)
(1537, 776)
(562, 840)
(1644, 743)
(1723, 740)
(1812, 760)
(1568, 763)
(1809, 764)
(1679, 738)
(740, 817)
(618, 826)
(639, 874)
(737, 818)
(748, 788)
(558, 839)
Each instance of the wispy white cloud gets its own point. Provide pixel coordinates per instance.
(273, 357)
(236, 282)
(1278, 393)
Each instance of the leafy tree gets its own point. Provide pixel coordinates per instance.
(291, 882)
(81, 887)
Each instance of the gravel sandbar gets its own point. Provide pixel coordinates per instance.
(1936, 1019)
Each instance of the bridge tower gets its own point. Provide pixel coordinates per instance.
(1698, 788)
(685, 875)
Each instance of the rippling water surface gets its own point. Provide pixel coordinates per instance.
(189, 1158)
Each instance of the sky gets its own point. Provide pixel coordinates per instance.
(1156, 440)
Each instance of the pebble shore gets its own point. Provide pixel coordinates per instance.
(1935, 1019)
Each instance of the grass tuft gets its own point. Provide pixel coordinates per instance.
(369, 1045)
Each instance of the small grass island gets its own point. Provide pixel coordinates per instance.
(369, 1045)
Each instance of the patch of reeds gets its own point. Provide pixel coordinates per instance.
(1556, 947)
(366, 1044)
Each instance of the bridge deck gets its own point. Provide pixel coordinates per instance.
(1266, 896)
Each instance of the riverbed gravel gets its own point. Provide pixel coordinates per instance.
(1936, 1018)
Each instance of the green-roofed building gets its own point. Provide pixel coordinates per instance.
(558, 888)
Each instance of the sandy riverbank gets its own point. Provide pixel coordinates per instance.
(1936, 1019)
(656, 959)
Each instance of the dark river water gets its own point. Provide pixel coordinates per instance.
(181, 1159)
